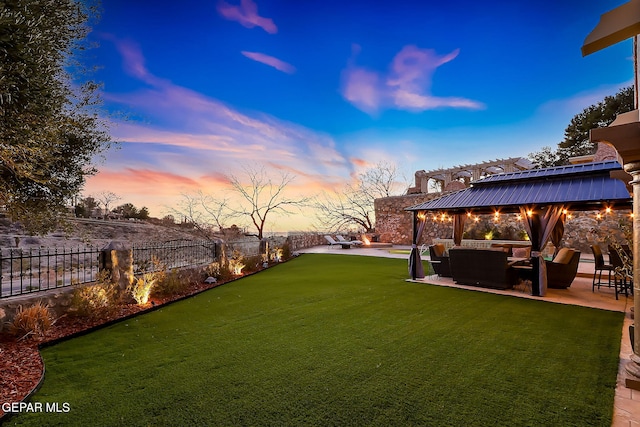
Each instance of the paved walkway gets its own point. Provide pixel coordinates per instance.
(627, 401)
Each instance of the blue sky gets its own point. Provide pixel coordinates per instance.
(325, 89)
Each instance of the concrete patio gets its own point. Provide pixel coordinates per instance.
(627, 401)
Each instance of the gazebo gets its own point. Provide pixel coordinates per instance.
(542, 197)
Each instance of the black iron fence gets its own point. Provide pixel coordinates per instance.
(26, 271)
(173, 254)
(32, 270)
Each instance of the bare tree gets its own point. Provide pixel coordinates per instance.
(261, 196)
(354, 205)
(106, 198)
(204, 212)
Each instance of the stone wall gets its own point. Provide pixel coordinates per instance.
(394, 225)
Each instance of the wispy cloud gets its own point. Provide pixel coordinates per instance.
(405, 86)
(270, 61)
(246, 13)
(188, 141)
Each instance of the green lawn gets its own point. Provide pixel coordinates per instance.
(340, 340)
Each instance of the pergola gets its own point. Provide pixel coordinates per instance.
(542, 197)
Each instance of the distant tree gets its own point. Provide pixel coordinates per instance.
(258, 196)
(261, 196)
(105, 198)
(547, 158)
(354, 205)
(204, 212)
(168, 220)
(50, 127)
(85, 207)
(576, 136)
(127, 210)
(143, 213)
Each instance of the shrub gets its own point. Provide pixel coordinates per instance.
(219, 271)
(173, 283)
(286, 251)
(95, 300)
(35, 320)
(252, 263)
(141, 287)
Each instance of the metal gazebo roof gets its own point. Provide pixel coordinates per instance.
(586, 186)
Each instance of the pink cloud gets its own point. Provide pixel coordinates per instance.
(271, 61)
(247, 15)
(406, 86)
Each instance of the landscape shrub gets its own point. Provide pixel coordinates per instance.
(35, 320)
(219, 271)
(174, 283)
(236, 263)
(141, 287)
(252, 263)
(286, 251)
(95, 300)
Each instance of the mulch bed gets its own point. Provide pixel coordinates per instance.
(20, 362)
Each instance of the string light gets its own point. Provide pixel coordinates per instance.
(608, 210)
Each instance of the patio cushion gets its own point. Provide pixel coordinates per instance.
(438, 249)
(522, 252)
(563, 256)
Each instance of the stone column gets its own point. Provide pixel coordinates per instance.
(118, 259)
(633, 366)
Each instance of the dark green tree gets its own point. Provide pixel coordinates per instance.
(143, 213)
(50, 123)
(576, 136)
(128, 210)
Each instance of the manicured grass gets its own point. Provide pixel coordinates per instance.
(340, 340)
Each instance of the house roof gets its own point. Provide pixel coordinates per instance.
(585, 186)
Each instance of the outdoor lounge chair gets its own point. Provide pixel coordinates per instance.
(332, 242)
(563, 269)
(440, 261)
(353, 242)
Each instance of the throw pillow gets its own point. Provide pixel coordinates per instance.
(564, 256)
(522, 252)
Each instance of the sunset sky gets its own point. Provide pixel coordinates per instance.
(325, 89)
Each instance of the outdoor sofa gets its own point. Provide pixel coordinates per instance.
(488, 268)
